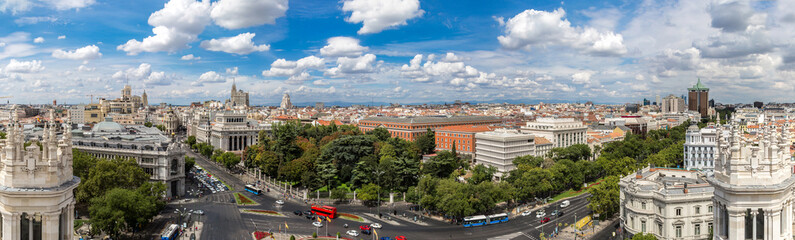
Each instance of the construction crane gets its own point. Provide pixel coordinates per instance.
(91, 100)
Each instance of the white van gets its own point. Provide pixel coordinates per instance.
(565, 204)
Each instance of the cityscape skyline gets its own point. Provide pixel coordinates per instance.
(182, 51)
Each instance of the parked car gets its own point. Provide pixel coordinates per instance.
(546, 219)
(400, 238)
(365, 227)
(298, 212)
(540, 214)
(554, 213)
(526, 213)
(317, 224)
(280, 202)
(353, 233)
(565, 204)
(376, 225)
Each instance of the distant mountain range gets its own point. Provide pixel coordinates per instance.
(510, 101)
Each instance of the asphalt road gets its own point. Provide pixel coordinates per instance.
(223, 220)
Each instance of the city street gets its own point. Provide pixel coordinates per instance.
(223, 220)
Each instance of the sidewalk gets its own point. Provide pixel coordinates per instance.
(587, 233)
(197, 229)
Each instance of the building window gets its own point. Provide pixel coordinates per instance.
(643, 226)
(659, 229)
(643, 205)
(632, 222)
(698, 209)
(697, 229)
(709, 209)
(678, 212)
(678, 231)
(709, 227)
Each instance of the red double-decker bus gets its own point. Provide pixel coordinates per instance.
(326, 211)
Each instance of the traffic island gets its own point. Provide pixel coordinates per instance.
(350, 217)
(262, 212)
(244, 201)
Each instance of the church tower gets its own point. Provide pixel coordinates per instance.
(36, 186)
(754, 183)
(144, 99)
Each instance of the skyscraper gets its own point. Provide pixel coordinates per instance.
(698, 98)
(286, 104)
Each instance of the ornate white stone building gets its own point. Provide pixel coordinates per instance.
(753, 184)
(562, 132)
(700, 148)
(238, 98)
(286, 104)
(36, 186)
(229, 131)
(157, 154)
(668, 203)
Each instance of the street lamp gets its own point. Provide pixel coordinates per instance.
(378, 173)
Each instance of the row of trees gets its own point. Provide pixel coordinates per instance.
(227, 159)
(120, 196)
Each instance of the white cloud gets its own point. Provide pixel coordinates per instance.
(17, 44)
(144, 73)
(209, 77)
(15, 6)
(382, 14)
(236, 14)
(175, 26)
(284, 68)
(581, 77)
(231, 71)
(15, 66)
(34, 20)
(343, 47)
(84, 68)
(240, 44)
(38, 40)
(320, 82)
(68, 4)
(299, 79)
(40, 84)
(730, 16)
(84, 53)
(189, 57)
(346, 65)
(61, 37)
(541, 28)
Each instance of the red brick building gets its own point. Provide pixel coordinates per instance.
(410, 128)
(462, 136)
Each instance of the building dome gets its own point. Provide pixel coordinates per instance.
(107, 126)
(693, 128)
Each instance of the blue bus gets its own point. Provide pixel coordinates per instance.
(474, 221)
(253, 189)
(498, 218)
(170, 233)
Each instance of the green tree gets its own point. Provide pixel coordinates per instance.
(189, 163)
(2, 135)
(442, 165)
(642, 236)
(426, 142)
(121, 209)
(343, 153)
(536, 182)
(191, 140)
(380, 133)
(574, 152)
(109, 174)
(229, 159)
(368, 192)
(616, 167)
(148, 124)
(481, 173)
(339, 194)
(82, 163)
(161, 127)
(604, 197)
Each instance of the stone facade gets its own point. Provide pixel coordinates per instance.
(500, 147)
(161, 158)
(286, 104)
(562, 132)
(700, 148)
(667, 203)
(36, 186)
(754, 185)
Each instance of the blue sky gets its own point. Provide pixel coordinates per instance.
(406, 51)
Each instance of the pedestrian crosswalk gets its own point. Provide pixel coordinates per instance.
(222, 197)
